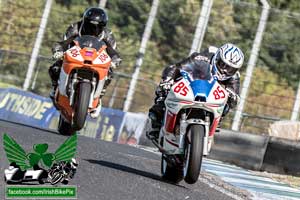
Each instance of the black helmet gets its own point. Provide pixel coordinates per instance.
(93, 21)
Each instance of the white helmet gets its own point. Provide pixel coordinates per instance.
(227, 61)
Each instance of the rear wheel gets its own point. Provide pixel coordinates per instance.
(194, 153)
(64, 127)
(81, 105)
(170, 173)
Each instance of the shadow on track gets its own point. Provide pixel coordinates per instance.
(131, 170)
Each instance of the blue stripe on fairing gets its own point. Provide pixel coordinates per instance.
(199, 87)
(202, 87)
(186, 76)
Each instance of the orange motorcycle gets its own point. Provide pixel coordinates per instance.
(82, 77)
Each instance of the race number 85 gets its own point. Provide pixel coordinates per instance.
(181, 89)
(219, 93)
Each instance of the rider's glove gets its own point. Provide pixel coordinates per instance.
(58, 55)
(115, 62)
(233, 99)
(167, 83)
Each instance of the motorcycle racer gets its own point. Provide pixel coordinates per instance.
(93, 23)
(224, 64)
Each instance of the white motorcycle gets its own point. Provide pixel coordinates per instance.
(194, 107)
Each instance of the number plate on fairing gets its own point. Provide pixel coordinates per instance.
(181, 90)
(74, 53)
(218, 94)
(103, 58)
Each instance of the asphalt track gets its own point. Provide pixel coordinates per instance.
(108, 170)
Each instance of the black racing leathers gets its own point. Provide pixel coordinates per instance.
(200, 59)
(72, 32)
(172, 72)
(75, 30)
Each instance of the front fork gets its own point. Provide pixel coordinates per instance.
(74, 83)
(73, 89)
(184, 123)
(183, 129)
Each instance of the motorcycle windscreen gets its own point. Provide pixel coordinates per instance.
(197, 71)
(200, 78)
(90, 42)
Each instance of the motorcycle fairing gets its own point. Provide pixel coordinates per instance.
(89, 54)
(215, 98)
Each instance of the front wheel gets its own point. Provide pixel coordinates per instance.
(194, 153)
(64, 127)
(81, 105)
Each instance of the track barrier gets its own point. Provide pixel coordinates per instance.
(37, 111)
(282, 156)
(242, 149)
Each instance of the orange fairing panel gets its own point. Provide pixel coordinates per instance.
(76, 58)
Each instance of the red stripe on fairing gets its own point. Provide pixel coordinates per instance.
(214, 126)
(213, 105)
(172, 143)
(186, 102)
(170, 122)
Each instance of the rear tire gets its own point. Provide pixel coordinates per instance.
(64, 127)
(173, 174)
(81, 105)
(194, 153)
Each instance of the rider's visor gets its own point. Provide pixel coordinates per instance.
(226, 69)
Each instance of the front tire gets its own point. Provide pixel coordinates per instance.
(64, 127)
(194, 153)
(81, 105)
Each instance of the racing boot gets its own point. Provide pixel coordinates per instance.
(155, 126)
(52, 92)
(54, 71)
(225, 112)
(156, 115)
(96, 112)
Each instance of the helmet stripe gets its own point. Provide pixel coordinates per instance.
(228, 51)
(236, 54)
